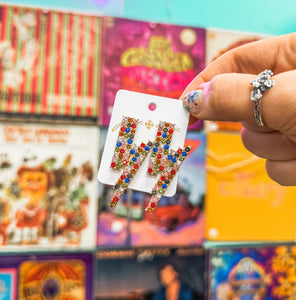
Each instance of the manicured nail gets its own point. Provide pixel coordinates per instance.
(192, 100)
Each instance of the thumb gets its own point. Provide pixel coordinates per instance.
(227, 97)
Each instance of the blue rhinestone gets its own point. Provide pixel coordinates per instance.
(118, 144)
(184, 153)
(164, 186)
(129, 141)
(127, 130)
(166, 146)
(155, 149)
(164, 135)
(170, 157)
(174, 160)
(127, 180)
(134, 159)
(146, 148)
(132, 151)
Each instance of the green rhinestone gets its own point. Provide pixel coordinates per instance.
(131, 163)
(171, 164)
(161, 191)
(156, 166)
(166, 152)
(163, 140)
(118, 166)
(144, 153)
(124, 184)
(181, 158)
(117, 149)
(154, 171)
(119, 161)
(125, 135)
(128, 146)
(153, 154)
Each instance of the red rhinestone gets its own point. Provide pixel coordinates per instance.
(150, 170)
(162, 178)
(171, 131)
(179, 151)
(158, 155)
(122, 177)
(136, 166)
(122, 128)
(152, 204)
(173, 172)
(161, 168)
(115, 199)
(124, 162)
(143, 145)
(122, 150)
(113, 165)
(158, 133)
(134, 125)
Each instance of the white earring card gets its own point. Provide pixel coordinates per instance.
(150, 112)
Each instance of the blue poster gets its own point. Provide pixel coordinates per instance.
(7, 288)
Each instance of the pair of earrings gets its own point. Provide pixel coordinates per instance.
(164, 162)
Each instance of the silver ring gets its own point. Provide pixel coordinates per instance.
(261, 84)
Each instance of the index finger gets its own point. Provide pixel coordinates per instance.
(276, 53)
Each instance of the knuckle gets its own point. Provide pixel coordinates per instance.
(280, 104)
(223, 96)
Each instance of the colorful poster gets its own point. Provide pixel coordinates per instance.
(52, 279)
(152, 58)
(49, 64)
(242, 202)
(178, 220)
(48, 189)
(217, 43)
(44, 276)
(249, 273)
(143, 273)
(8, 284)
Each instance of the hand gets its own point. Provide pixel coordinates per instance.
(222, 93)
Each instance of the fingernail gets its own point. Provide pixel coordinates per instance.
(192, 100)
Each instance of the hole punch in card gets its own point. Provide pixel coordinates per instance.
(144, 144)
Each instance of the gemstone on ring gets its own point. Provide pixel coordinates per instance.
(262, 83)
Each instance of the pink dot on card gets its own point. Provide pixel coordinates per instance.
(152, 106)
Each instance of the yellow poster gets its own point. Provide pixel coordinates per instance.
(242, 202)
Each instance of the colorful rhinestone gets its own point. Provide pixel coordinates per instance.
(123, 143)
(162, 144)
(172, 164)
(135, 160)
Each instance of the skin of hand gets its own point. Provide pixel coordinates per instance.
(221, 92)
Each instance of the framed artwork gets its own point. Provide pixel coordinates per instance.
(8, 283)
(48, 189)
(240, 192)
(147, 273)
(252, 272)
(151, 58)
(50, 64)
(46, 276)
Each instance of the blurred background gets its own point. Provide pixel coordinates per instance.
(228, 232)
